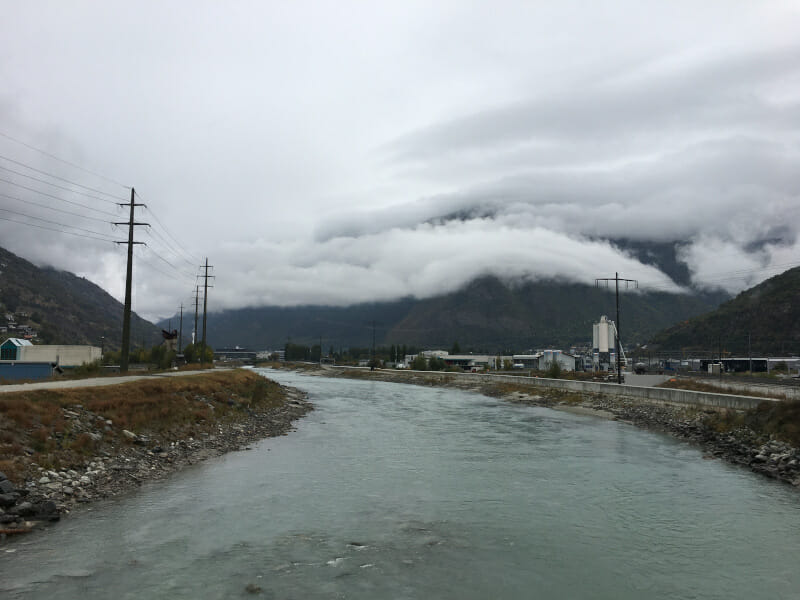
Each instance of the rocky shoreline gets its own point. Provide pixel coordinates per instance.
(740, 445)
(124, 460)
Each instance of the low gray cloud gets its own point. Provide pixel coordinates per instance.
(332, 156)
(725, 93)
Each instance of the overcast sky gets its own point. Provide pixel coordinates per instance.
(339, 152)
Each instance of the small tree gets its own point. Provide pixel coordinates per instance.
(553, 370)
(436, 364)
(192, 353)
(419, 363)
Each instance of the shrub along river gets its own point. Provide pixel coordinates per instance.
(397, 491)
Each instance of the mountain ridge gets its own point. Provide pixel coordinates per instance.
(764, 319)
(64, 308)
(486, 315)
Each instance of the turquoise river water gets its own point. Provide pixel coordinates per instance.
(398, 491)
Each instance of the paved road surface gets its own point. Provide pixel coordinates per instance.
(94, 382)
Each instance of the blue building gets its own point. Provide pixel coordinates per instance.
(14, 368)
(20, 371)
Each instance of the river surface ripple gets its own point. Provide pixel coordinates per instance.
(397, 491)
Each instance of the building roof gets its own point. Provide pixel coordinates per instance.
(17, 342)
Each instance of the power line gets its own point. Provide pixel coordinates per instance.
(61, 210)
(14, 212)
(91, 189)
(54, 229)
(55, 185)
(742, 275)
(154, 267)
(66, 162)
(176, 269)
(103, 212)
(157, 220)
(152, 231)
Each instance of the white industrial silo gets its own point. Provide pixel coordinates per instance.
(603, 343)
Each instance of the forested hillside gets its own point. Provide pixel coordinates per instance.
(487, 315)
(63, 308)
(765, 318)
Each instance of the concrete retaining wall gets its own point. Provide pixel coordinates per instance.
(593, 387)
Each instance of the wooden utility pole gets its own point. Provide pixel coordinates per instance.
(126, 313)
(373, 341)
(196, 301)
(180, 331)
(205, 308)
(616, 279)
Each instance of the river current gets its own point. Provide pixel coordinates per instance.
(397, 491)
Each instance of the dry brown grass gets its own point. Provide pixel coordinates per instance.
(699, 386)
(779, 420)
(162, 406)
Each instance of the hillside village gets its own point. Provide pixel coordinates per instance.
(20, 324)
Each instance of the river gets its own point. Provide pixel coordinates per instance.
(397, 491)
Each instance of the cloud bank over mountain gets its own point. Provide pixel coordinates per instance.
(322, 156)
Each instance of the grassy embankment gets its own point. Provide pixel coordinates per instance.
(34, 428)
(701, 386)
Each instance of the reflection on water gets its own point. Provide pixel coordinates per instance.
(392, 491)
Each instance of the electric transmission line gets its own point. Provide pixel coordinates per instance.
(61, 160)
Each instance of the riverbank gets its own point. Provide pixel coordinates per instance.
(63, 449)
(765, 439)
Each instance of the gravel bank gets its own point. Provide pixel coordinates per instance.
(122, 460)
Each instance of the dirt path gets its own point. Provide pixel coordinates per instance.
(93, 382)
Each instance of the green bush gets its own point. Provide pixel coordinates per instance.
(87, 369)
(419, 363)
(436, 364)
(553, 370)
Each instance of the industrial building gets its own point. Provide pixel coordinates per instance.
(470, 362)
(760, 364)
(20, 359)
(565, 361)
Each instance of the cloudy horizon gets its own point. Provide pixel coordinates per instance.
(337, 153)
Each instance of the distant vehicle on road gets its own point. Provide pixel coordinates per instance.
(640, 368)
